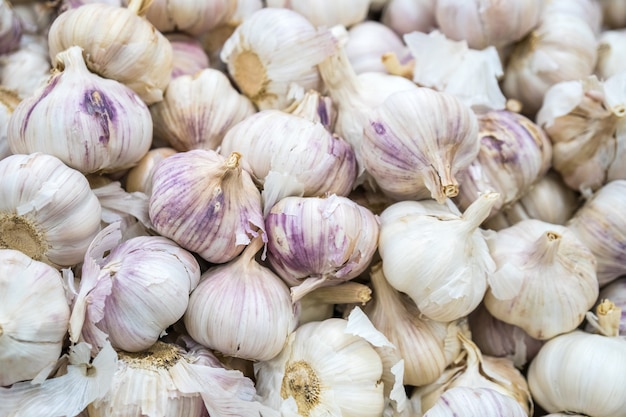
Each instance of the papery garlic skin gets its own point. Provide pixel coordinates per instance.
(47, 210)
(218, 213)
(327, 13)
(475, 402)
(188, 56)
(436, 255)
(188, 16)
(139, 177)
(34, 315)
(367, 42)
(89, 122)
(405, 16)
(611, 46)
(270, 50)
(197, 110)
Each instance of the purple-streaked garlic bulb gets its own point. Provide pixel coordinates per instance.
(416, 143)
(134, 293)
(367, 43)
(475, 402)
(219, 209)
(405, 16)
(315, 241)
(10, 28)
(91, 123)
(292, 156)
(188, 55)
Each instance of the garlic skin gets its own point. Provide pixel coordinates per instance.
(189, 16)
(436, 255)
(118, 44)
(10, 28)
(514, 154)
(139, 177)
(406, 16)
(292, 156)
(367, 42)
(91, 123)
(188, 56)
(47, 210)
(327, 13)
(475, 402)
(34, 316)
(8, 102)
(220, 210)
(197, 110)
(26, 69)
(216, 320)
(600, 225)
(270, 50)
(610, 48)
(486, 22)
(313, 241)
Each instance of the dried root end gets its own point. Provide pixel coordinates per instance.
(301, 383)
(21, 234)
(250, 75)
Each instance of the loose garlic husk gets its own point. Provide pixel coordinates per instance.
(119, 44)
(600, 224)
(89, 122)
(194, 17)
(436, 255)
(215, 317)
(327, 13)
(426, 346)
(139, 177)
(367, 42)
(197, 110)
(218, 213)
(475, 402)
(576, 372)
(292, 156)
(405, 16)
(315, 241)
(26, 69)
(10, 28)
(417, 160)
(586, 124)
(545, 279)
(611, 49)
(188, 56)
(34, 315)
(514, 154)
(272, 49)
(616, 292)
(112, 301)
(8, 102)
(47, 209)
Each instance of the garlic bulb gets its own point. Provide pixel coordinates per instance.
(10, 28)
(315, 107)
(215, 317)
(219, 211)
(367, 42)
(436, 255)
(327, 13)
(484, 23)
(139, 177)
(426, 346)
(475, 402)
(585, 122)
(270, 50)
(292, 156)
(405, 16)
(112, 300)
(189, 16)
(600, 224)
(47, 210)
(611, 47)
(8, 102)
(575, 372)
(34, 316)
(197, 110)
(188, 56)
(417, 160)
(544, 281)
(118, 44)
(89, 122)
(514, 154)
(616, 292)
(26, 69)
(315, 241)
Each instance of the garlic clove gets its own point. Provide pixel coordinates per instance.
(188, 56)
(367, 42)
(139, 177)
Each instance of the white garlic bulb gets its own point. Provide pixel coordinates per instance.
(139, 177)
(327, 12)
(319, 241)
(611, 47)
(10, 28)
(215, 317)
(367, 42)
(8, 101)
(412, 159)
(34, 315)
(89, 122)
(219, 211)
(26, 69)
(189, 16)
(188, 56)
(475, 402)
(292, 156)
(536, 264)
(197, 110)
(405, 16)
(270, 50)
(47, 209)
(436, 255)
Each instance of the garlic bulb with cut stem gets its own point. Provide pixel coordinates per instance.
(616, 292)
(327, 13)
(319, 304)
(270, 50)
(427, 346)
(417, 159)
(475, 402)
(112, 301)
(197, 110)
(367, 42)
(545, 278)
(26, 69)
(258, 331)
(292, 156)
(405, 16)
(220, 210)
(139, 177)
(611, 49)
(34, 315)
(319, 241)
(8, 102)
(514, 154)
(119, 44)
(577, 371)
(436, 255)
(47, 209)
(600, 224)
(189, 16)
(91, 123)
(188, 56)
(585, 122)
(10, 28)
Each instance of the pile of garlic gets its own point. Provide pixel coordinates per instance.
(397, 208)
